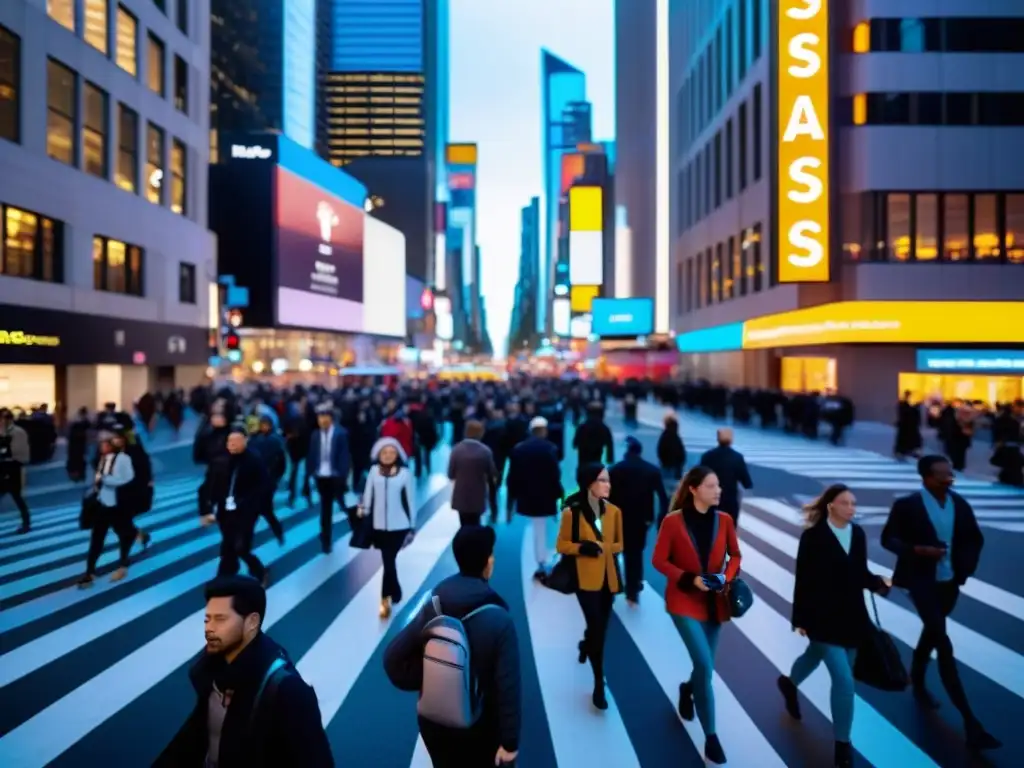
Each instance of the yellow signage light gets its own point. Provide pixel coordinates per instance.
(22, 339)
(582, 296)
(461, 154)
(586, 209)
(803, 127)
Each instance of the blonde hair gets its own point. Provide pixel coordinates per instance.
(816, 511)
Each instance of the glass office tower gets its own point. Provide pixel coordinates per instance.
(562, 86)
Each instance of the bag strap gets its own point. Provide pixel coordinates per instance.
(874, 608)
(268, 686)
(475, 611)
(575, 526)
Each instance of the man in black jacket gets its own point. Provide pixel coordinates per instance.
(494, 651)
(252, 708)
(731, 468)
(636, 483)
(593, 439)
(937, 543)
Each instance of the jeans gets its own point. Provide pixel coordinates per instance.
(390, 544)
(839, 663)
(701, 640)
(540, 540)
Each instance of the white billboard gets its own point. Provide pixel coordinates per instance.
(586, 258)
(444, 324)
(581, 327)
(384, 310)
(561, 314)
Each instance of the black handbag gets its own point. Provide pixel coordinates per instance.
(878, 662)
(740, 597)
(563, 576)
(89, 513)
(362, 527)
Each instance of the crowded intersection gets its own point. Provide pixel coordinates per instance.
(96, 671)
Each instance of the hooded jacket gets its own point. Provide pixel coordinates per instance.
(494, 654)
(389, 500)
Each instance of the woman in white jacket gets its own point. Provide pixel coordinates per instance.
(389, 502)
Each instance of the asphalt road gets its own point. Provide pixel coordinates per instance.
(98, 677)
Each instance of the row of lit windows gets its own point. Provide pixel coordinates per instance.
(725, 166)
(10, 85)
(63, 121)
(31, 246)
(932, 108)
(358, 77)
(374, 89)
(930, 226)
(729, 270)
(118, 267)
(721, 67)
(396, 142)
(376, 119)
(412, 112)
(392, 100)
(340, 157)
(123, 42)
(938, 35)
(343, 132)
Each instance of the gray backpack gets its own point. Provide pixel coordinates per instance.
(450, 694)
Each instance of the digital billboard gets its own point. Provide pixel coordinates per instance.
(444, 328)
(971, 360)
(582, 296)
(574, 165)
(299, 63)
(561, 317)
(581, 327)
(384, 278)
(803, 127)
(623, 318)
(319, 247)
(586, 258)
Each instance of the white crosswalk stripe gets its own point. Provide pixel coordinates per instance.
(71, 645)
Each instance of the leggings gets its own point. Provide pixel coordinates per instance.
(597, 610)
(701, 640)
(839, 663)
(390, 544)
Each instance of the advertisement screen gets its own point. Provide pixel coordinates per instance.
(560, 316)
(445, 325)
(623, 317)
(971, 360)
(581, 327)
(414, 288)
(319, 257)
(803, 125)
(586, 258)
(384, 278)
(582, 296)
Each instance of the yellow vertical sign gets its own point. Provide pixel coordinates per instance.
(803, 133)
(586, 209)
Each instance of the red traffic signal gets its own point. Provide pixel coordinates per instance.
(231, 341)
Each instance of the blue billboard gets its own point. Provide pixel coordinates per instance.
(971, 360)
(719, 338)
(622, 318)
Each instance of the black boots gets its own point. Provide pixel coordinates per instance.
(844, 755)
(789, 695)
(686, 701)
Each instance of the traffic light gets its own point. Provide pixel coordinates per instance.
(232, 341)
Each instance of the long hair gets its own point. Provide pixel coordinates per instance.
(683, 497)
(817, 510)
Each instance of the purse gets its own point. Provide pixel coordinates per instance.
(878, 661)
(563, 577)
(90, 512)
(362, 527)
(740, 597)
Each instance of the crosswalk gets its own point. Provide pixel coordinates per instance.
(80, 669)
(996, 506)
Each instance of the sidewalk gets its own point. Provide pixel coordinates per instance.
(163, 439)
(872, 436)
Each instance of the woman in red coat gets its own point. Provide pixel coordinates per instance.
(698, 552)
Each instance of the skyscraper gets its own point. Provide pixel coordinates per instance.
(523, 323)
(565, 124)
(264, 69)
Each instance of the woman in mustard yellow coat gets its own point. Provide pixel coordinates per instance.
(597, 542)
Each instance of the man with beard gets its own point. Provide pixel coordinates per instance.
(252, 707)
(234, 493)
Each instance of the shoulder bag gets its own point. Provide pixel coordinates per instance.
(563, 577)
(362, 527)
(878, 662)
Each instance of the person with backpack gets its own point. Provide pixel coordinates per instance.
(461, 654)
(252, 710)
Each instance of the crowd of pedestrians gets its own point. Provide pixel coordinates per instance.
(362, 450)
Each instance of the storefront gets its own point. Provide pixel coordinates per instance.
(67, 360)
(870, 352)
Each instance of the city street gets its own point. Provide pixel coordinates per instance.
(98, 677)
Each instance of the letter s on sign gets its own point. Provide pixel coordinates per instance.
(798, 173)
(798, 238)
(801, 48)
(809, 11)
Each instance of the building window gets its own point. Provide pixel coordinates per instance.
(63, 12)
(956, 225)
(719, 68)
(180, 85)
(61, 103)
(155, 65)
(31, 246)
(127, 172)
(754, 271)
(710, 275)
(698, 198)
(96, 32)
(161, 5)
(10, 85)
(986, 228)
(743, 146)
(938, 35)
(182, 15)
(117, 266)
(709, 189)
(728, 279)
(95, 129)
(186, 283)
(718, 273)
(127, 56)
(154, 164)
(718, 170)
(741, 39)
(730, 49)
(926, 227)
(936, 109)
(728, 159)
(757, 117)
(897, 214)
(1015, 229)
(702, 287)
(736, 270)
(179, 177)
(688, 288)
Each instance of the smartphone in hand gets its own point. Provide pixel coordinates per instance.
(714, 581)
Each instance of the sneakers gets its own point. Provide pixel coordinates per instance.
(685, 706)
(789, 695)
(599, 700)
(86, 581)
(713, 751)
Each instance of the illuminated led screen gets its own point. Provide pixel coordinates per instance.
(623, 317)
(384, 308)
(586, 258)
(561, 316)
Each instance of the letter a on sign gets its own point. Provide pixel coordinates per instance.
(803, 172)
